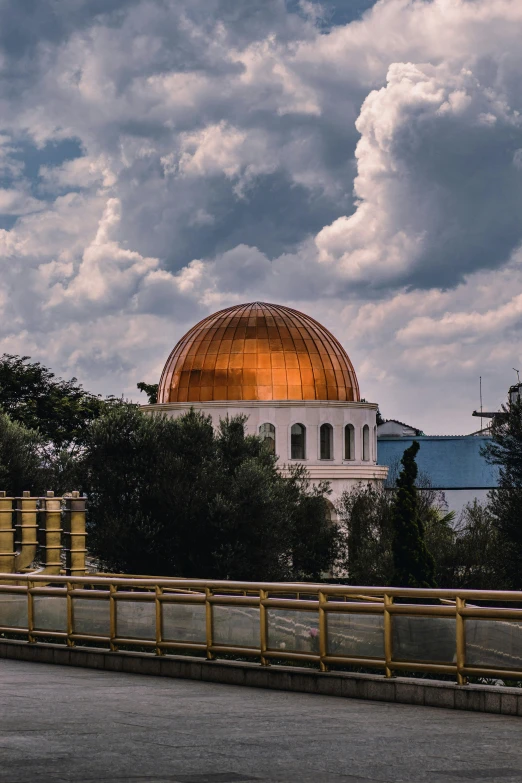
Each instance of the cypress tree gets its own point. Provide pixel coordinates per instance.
(413, 564)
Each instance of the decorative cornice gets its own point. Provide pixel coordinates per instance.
(344, 472)
(177, 406)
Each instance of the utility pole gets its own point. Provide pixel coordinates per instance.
(480, 390)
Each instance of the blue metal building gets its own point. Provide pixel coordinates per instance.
(452, 463)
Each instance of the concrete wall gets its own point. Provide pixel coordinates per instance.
(458, 498)
(401, 690)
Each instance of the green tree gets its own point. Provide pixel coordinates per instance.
(174, 497)
(468, 551)
(314, 539)
(23, 461)
(414, 565)
(439, 531)
(366, 535)
(151, 390)
(31, 395)
(478, 553)
(505, 450)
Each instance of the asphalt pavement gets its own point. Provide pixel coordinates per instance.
(61, 724)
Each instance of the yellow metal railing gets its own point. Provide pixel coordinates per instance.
(393, 629)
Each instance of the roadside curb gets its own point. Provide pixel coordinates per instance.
(400, 690)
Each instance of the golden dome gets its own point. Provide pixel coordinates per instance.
(258, 351)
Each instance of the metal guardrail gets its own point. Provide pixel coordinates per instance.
(394, 629)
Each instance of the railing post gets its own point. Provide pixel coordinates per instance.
(75, 535)
(30, 613)
(7, 551)
(70, 615)
(208, 611)
(26, 528)
(323, 599)
(460, 604)
(159, 620)
(113, 617)
(263, 627)
(53, 533)
(388, 639)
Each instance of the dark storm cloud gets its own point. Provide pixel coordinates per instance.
(334, 12)
(27, 24)
(439, 181)
(473, 219)
(276, 215)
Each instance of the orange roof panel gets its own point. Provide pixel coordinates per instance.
(278, 345)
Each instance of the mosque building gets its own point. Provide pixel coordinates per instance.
(290, 377)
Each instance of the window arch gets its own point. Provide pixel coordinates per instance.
(366, 443)
(267, 432)
(298, 441)
(349, 442)
(326, 441)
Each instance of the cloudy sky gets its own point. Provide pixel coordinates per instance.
(361, 161)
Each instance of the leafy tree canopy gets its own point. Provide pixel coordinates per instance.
(365, 521)
(367, 534)
(175, 497)
(479, 553)
(505, 450)
(151, 390)
(32, 395)
(23, 463)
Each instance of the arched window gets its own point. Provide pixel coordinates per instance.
(366, 442)
(375, 444)
(326, 441)
(267, 432)
(349, 442)
(298, 441)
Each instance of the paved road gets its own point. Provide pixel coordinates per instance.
(64, 724)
